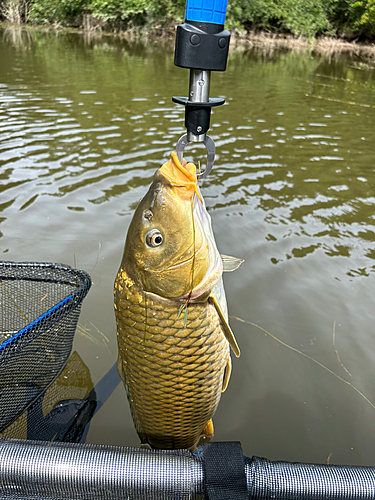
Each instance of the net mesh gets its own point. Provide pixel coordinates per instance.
(40, 304)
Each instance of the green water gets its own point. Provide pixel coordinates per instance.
(85, 121)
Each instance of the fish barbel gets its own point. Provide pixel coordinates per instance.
(172, 322)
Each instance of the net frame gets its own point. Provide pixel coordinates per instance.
(35, 345)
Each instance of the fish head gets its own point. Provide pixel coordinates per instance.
(170, 249)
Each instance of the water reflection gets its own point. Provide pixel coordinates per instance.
(84, 124)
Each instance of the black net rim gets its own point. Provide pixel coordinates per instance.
(70, 276)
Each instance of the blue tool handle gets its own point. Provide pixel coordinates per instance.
(206, 11)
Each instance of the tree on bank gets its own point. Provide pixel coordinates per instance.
(309, 18)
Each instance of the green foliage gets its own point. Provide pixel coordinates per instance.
(255, 13)
(64, 12)
(308, 18)
(356, 19)
(300, 17)
(304, 17)
(362, 15)
(141, 12)
(369, 15)
(117, 9)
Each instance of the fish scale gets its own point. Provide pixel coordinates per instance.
(173, 373)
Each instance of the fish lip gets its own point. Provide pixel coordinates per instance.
(171, 173)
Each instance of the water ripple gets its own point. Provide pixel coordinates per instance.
(310, 168)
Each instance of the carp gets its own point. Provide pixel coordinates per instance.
(172, 322)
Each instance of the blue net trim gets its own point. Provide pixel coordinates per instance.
(36, 322)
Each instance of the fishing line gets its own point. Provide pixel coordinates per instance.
(306, 356)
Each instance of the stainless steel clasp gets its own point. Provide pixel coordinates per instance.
(210, 146)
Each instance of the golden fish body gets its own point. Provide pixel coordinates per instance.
(174, 374)
(171, 314)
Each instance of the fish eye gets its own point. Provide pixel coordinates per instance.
(154, 238)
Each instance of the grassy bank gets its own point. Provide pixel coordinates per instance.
(343, 19)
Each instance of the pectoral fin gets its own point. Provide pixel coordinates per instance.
(226, 328)
(230, 263)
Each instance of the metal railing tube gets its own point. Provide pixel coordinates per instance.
(44, 470)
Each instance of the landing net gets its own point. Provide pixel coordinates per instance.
(39, 308)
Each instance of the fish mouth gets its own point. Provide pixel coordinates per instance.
(181, 176)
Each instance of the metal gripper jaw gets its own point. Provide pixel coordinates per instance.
(210, 146)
